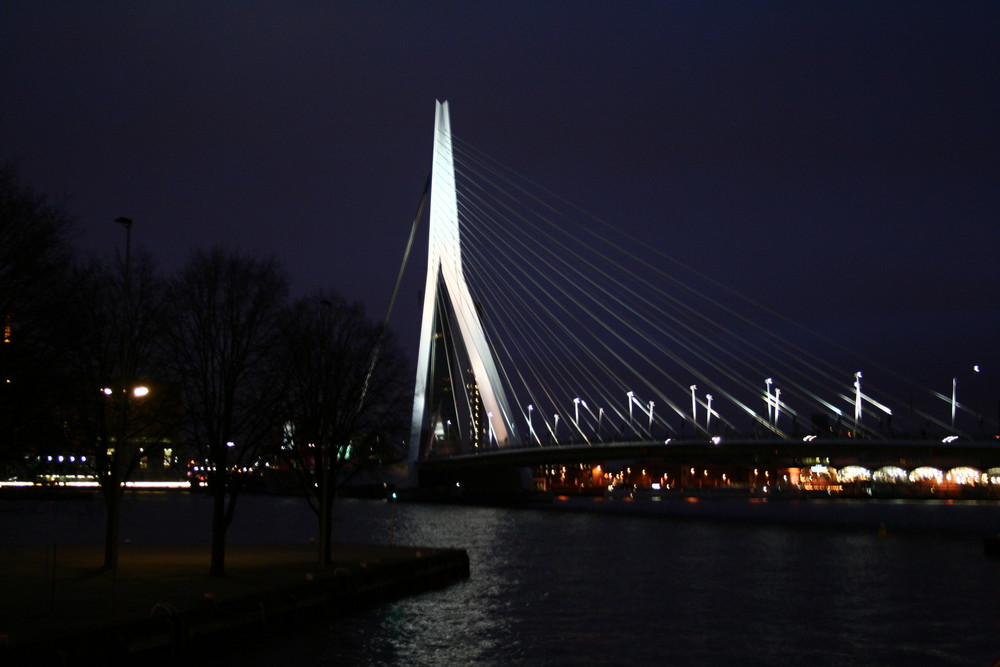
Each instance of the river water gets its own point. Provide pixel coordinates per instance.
(588, 588)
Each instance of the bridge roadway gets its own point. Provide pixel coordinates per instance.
(501, 467)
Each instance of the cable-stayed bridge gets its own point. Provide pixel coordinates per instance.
(549, 335)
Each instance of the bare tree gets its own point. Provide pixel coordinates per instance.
(34, 255)
(346, 398)
(114, 401)
(222, 345)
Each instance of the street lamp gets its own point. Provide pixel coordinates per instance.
(954, 400)
(777, 405)
(576, 412)
(531, 429)
(651, 419)
(857, 399)
(138, 391)
(694, 406)
(708, 409)
(127, 224)
(767, 391)
(630, 395)
(977, 399)
(116, 465)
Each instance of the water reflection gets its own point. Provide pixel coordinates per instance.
(558, 588)
(554, 589)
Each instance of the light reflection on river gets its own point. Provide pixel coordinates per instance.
(554, 588)
(569, 589)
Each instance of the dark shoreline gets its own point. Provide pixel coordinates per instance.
(180, 624)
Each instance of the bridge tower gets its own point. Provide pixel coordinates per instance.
(454, 356)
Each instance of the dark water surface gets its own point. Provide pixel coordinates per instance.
(567, 588)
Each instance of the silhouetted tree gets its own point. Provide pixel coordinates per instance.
(34, 256)
(346, 401)
(222, 348)
(112, 327)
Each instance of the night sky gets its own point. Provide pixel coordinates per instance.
(838, 161)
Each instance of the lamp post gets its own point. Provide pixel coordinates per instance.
(531, 429)
(125, 342)
(767, 392)
(857, 399)
(694, 408)
(977, 399)
(127, 287)
(576, 412)
(777, 405)
(115, 467)
(630, 395)
(954, 400)
(127, 224)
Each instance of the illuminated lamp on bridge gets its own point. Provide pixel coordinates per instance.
(965, 475)
(890, 475)
(849, 474)
(926, 474)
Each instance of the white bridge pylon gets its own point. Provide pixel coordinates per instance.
(445, 279)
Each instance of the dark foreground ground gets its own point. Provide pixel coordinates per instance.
(57, 606)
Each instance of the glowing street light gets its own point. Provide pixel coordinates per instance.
(767, 392)
(576, 412)
(531, 429)
(137, 391)
(555, 427)
(651, 418)
(777, 404)
(694, 405)
(708, 417)
(954, 400)
(630, 396)
(857, 398)
(977, 407)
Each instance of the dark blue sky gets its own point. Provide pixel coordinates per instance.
(839, 161)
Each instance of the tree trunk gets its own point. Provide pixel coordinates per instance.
(325, 518)
(113, 492)
(219, 525)
(112, 526)
(326, 527)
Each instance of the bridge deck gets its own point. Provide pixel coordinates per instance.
(912, 453)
